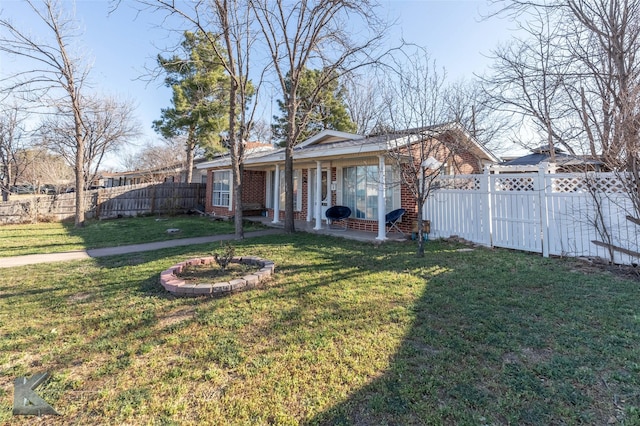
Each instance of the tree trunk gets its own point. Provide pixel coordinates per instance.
(5, 188)
(79, 166)
(237, 153)
(191, 147)
(237, 189)
(420, 249)
(289, 223)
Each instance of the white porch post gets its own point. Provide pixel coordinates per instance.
(276, 196)
(318, 199)
(309, 200)
(382, 231)
(231, 206)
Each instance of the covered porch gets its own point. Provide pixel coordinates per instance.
(319, 185)
(350, 234)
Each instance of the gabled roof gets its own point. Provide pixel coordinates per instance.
(333, 144)
(326, 136)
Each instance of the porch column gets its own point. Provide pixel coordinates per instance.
(276, 196)
(231, 206)
(382, 231)
(309, 200)
(318, 199)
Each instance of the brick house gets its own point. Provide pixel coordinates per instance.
(338, 168)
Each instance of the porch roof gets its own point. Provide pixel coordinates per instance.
(330, 144)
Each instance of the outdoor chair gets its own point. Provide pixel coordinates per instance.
(392, 218)
(338, 214)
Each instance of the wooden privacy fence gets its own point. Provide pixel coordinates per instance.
(130, 200)
(553, 214)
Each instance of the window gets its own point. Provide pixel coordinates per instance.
(297, 190)
(360, 191)
(221, 185)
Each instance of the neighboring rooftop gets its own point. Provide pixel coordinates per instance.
(542, 154)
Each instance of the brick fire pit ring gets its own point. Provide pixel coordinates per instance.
(179, 287)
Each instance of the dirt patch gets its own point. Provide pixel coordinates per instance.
(79, 297)
(176, 316)
(590, 265)
(528, 356)
(202, 274)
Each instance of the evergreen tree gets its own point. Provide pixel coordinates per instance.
(200, 97)
(329, 111)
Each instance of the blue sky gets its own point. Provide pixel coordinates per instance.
(124, 43)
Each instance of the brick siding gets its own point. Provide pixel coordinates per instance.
(254, 191)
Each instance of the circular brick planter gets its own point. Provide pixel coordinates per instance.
(179, 287)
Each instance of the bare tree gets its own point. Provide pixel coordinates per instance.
(607, 42)
(40, 166)
(106, 125)
(528, 80)
(422, 146)
(312, 34)
(157, 155)
(468, 105)
(55, 76)
(596, 60)
(261, 131)
(158, 161)
(363, 102)
(11, 143)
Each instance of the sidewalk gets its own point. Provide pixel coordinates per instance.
(9, 262)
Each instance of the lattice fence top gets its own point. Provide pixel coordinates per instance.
(604, 183)
(463, 182)
(513, 183)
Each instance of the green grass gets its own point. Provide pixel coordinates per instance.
(345, 333)
(16, 240)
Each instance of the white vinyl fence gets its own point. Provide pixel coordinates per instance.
(553, 214)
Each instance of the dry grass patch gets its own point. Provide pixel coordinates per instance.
(176, 316)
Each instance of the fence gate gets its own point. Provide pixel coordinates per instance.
(516, 213)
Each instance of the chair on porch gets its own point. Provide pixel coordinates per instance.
(338, 214)
(392, 218)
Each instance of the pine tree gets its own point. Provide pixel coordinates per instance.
(328, 112)
(200, 97)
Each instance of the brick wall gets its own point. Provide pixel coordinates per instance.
(254, 187)
(253, 192)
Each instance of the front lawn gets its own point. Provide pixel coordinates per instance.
(345, 333)
(17, 240)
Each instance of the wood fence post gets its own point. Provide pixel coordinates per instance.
(153, 198)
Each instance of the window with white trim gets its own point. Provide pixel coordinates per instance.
(360, 191)
(221, 188)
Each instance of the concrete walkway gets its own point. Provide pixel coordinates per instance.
(9, 262)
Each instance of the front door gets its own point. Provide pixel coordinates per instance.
(325, 192)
